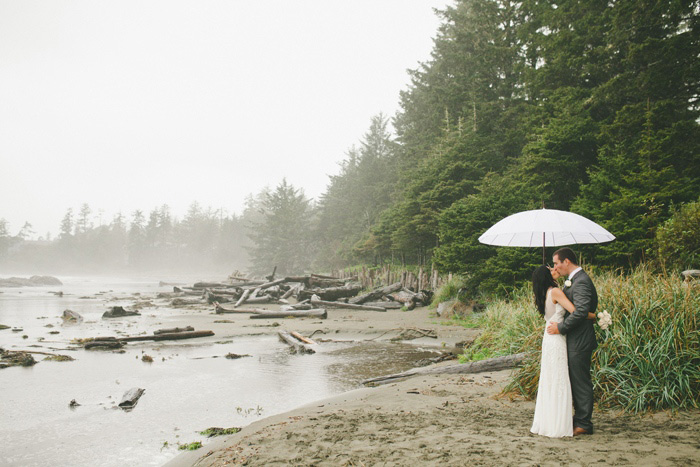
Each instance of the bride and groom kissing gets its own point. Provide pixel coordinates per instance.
(567, 346)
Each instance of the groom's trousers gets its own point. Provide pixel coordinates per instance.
(581, 388)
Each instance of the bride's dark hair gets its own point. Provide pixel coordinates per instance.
(542, 280)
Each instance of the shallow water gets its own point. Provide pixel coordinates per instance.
(187, 388)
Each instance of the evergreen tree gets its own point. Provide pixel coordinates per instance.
(282, 238)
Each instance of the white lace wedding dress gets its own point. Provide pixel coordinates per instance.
(553, 410)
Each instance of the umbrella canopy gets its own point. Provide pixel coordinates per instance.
(545, 227)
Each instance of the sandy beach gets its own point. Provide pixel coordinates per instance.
(438, 420)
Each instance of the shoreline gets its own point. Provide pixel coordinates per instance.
(445, 420)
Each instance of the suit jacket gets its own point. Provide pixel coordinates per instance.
(578, 329)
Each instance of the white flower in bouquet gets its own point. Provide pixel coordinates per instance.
(567, 283)
(604, 320)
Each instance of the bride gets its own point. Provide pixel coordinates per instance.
(553, 409)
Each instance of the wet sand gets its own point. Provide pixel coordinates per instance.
(446, 420)
(438, 420)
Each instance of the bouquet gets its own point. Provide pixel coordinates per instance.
(604, 320)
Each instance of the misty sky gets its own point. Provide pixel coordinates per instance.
(133, 104)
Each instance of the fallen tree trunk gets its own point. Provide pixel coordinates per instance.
(490, 364)
(243, 297)
(376, 293)
(272, 283)
(116, 342)
(350, 306)
(263, 299)
(172, 330)
(104, 344)
(385, 305)
(330, 293)
(305, 340)
(290, 292)
(221, 310)
(320, 313)
(170, 336)
(296, 346)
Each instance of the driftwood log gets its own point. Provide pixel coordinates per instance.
(296, 345)
(490, 364)
(243, 298)
(319, 313)
(104, 344)
(350, 306)
(172, 330)
(386, 305)
(131, 398)
(221, 310)
(376, 293)
(117, 342)
(305, 340)
(330, 293)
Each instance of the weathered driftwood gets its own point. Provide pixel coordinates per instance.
(267, 285)
(296, 345)
(305, 340)
(169, 336)
(292, 290)
(210, 285)
(490, 364)
(233, 291)
(131, 398)
(176, 302)
(211, 297)
(173, 330)
(221, 310)
(117, 342)
(390, 305)
(305, 305)
(319, 313)
(262, 299)
(331, 293)
(255, 293)
(187, 291)
(376, 293)
(243, 298)
(104, 344)
(119, 312)
(350, 306)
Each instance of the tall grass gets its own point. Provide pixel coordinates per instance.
(448, 290)
(648, 359)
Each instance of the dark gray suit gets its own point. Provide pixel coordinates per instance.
(580, 344)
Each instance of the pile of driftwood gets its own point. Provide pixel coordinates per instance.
(311, 295)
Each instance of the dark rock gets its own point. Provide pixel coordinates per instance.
(131, 398)
(119, 312)
(71, 316)
(10, 358)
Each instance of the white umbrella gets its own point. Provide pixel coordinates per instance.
(545, 227)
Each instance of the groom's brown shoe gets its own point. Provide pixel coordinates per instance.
(580, 431)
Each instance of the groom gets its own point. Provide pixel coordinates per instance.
(580, 336)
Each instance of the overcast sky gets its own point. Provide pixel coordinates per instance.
(128, 105)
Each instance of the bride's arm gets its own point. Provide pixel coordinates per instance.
(558, 296)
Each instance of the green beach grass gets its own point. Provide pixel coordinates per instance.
(647, 360)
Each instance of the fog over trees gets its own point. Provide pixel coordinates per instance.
(584, 106)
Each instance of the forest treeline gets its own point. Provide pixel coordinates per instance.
(588, 106)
